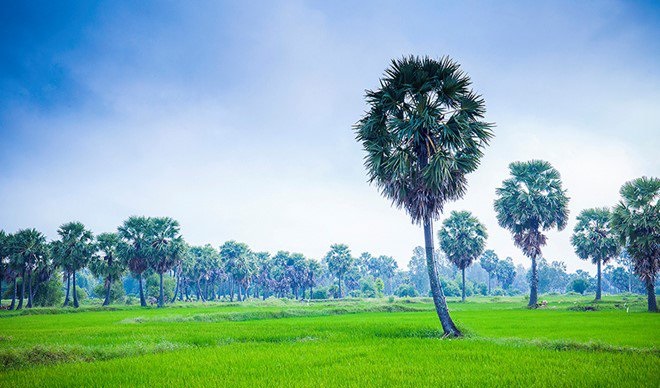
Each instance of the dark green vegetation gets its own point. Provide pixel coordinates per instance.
(572, 341)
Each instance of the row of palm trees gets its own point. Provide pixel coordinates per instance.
(424, 131)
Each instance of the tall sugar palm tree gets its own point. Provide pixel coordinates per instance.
(529, 203)
(636, 220)
(423, 132)
(30, 246)
(74, 250)
(107, 264)
(133, 248)
(489, 262)
(339, 261)
(166, 248)
(594, 239)
(462, 238)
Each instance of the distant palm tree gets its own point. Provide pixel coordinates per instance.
(489, 262)
(339, 261)
(593, 239)
(134, 248)
(107, 264)
(423, 133)
(30, 246)
(530, 202)
(166, 248)
(636, 220)
(463, 239)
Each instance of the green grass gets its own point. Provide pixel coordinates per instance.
(335, 343)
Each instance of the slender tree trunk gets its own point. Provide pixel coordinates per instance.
(29, 303)
(143, 301)
(13, 295)
(630, 276)
(489, 283)
(107, 291)
(176, 289)
(448, 326)
(161, 300)
(534, 285)
(598, 285)
(68, 287)
(240, 295)
(650, 293)
(20, 300)
(231, 290)
(463, 294)
(339, 277)
(75, 294)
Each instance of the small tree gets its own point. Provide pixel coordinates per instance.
(240, 264)
(488, 262)
(530, 202)
(579, 285)
(636, 221)
(593, 239)
(339, 262)
(505, 272)
(462, 238)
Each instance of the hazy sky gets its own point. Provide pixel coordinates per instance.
(235, 118)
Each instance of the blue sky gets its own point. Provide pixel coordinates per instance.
(235, 117)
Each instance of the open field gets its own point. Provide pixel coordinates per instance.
(352, 342)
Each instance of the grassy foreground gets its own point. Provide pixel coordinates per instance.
(353, 342)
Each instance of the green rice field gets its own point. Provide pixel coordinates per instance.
(386, 342)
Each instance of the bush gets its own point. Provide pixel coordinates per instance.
(406, 290)
(579, 285)
(451, 288)
(153, 287)
(498, 292)
(49, 294)
(116, 291)
(481, 288)
(320, 293)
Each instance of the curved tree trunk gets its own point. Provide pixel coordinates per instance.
(534, 286)
(598, 285)
(161, 299)
(107, 292)
(176, 289)
(463, 294)
(13, 295)
(68, 287)
(143, 301)
(20, 300)
(339, 278)
(75, 294)
(650, 293)
(448, 326)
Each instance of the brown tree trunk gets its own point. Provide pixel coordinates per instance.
(598, 285)
(650, 291)
(29, 303)
(75, 294)
(463, 295)
(20, 300)
(13, 295)
(68, 287)
(534, 286)
(143, 301)
(448, 326)
(107, 292)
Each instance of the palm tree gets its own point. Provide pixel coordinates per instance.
(165, 249)
(593, 239)
(462, 238)
(107, 263)
(73, 251)
(5, 253)
(339, 262)
(489, 262)
(30, 247)
(636, 220)
(133, 248)
(530, 202)
(240, 264)
(423, 133)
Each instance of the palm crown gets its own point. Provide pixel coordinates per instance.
(462, 238)
(423, 133)
(593, 237)
(531, 201)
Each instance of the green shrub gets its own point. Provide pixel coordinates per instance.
(320, 293)
(116, 291)
(406, 290)
(49, 293)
